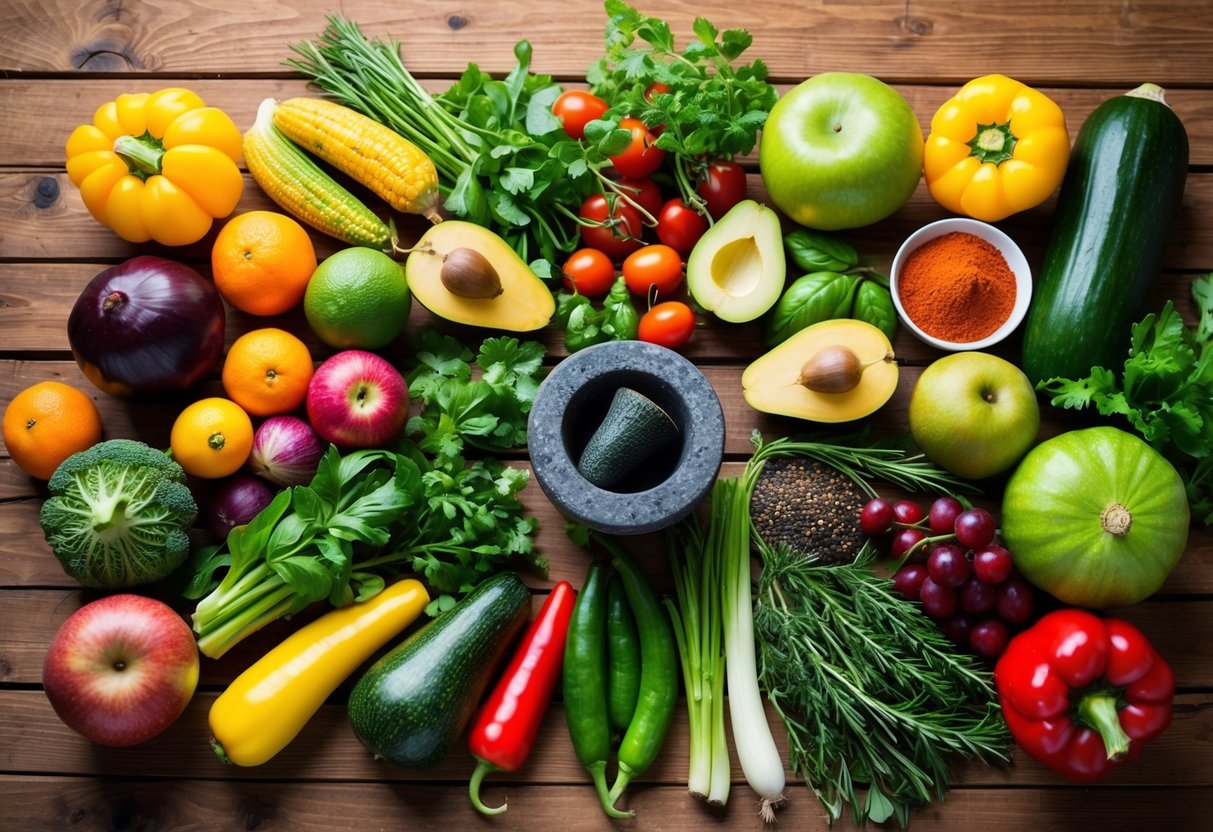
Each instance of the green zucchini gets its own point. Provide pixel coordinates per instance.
(412, 705)
(1120, 195)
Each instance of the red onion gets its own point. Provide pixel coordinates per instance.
(146, 327)
(236, 501)
(286, 451)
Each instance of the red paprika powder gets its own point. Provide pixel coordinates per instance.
(957, 288)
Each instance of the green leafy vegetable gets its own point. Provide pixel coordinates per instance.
(817, 252)
(1164, 392)
(118, 514)
(585, 326)
(713, 109)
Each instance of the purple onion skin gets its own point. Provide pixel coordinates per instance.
(236, 501)
(286, 451)
(148, 327)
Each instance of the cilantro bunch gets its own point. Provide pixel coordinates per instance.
(713, 107)
(1165, 392)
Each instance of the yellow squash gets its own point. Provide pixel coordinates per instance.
(268, 704)
(157, 166)
(997, 147)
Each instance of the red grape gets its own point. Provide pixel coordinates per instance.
(977, 596)
(876, 517)
(937, 601)
(943, 514)
(904, 540)
(948, 565)
(908, 512)
(1015, 602)
(975, 528)
(957, 628)
(908, 579)
(988, 638)
(992, 564)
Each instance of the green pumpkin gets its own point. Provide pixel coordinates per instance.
(1095, 517)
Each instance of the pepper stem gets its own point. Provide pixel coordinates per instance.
(993, 143)
(142, 154)
(482, 768)
(598, 773)
(1099, 711)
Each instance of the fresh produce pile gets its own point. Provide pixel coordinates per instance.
(377, 485)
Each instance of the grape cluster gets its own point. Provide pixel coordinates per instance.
(954, 566)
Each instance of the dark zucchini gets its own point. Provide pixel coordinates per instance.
(1121, 192)
(412, 704)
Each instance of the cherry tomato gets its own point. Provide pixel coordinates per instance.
(669, 324)
(679, 226)
(644, 192)
(589, 272)
(576, 109)
(722, 186)
(653, 266)
(655, 89)
(615, 227)
(640, 158)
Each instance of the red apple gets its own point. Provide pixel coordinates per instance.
(357, 400)
(121, 669)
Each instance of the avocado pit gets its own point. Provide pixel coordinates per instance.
(469, 274)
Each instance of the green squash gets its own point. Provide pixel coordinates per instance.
(1095, 517)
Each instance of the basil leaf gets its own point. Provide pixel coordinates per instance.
(874, 304)
(621, 314)
(816, 297)
(817, 252)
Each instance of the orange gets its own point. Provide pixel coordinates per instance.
(266, 371)
(262, 262)
(46, 423)
(212, 438)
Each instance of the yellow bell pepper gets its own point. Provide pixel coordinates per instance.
(157, 166)
(997, 147)
(270, 702)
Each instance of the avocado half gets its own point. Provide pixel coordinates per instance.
(737, 269)
(524, 303)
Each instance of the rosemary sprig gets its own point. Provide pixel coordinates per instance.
(869, 690)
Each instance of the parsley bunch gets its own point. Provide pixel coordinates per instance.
(1165, 392)
(713, 108)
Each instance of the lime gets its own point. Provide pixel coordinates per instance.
(358, 298)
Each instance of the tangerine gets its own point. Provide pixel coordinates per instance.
(46, 423)
(266, 371)
(262, 262)
(212, 438)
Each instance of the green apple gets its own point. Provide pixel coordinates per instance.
(974, 414)
(841, 150)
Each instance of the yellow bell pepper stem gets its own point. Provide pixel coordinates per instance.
(141, 154)
(994, 143)
(270, 702)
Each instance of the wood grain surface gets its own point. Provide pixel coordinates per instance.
(59, 59)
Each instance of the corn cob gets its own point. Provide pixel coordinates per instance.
(394, 168)
(294, 181)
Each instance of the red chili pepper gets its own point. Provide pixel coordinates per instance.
(505, 730)
(1082, 694)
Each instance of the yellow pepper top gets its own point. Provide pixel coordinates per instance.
(997, 147)
(157, 166)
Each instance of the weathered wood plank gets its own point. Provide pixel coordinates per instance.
(95, 805)
(1037, 41)
(37, 742)
(32, 136)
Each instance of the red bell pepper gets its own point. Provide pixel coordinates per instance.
(1082, 694)
(505, 730)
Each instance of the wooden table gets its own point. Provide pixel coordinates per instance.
(59, 59)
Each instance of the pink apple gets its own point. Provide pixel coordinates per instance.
(357, 400)
(121, 669)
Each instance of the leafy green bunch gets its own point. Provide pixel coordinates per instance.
(1164, 392)
(710, 107)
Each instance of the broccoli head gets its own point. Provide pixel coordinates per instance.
(118, 514)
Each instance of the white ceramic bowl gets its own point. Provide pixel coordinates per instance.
(1014, 257)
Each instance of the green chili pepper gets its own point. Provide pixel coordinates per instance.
(623, 658)
(659, 670)
(584, 683)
